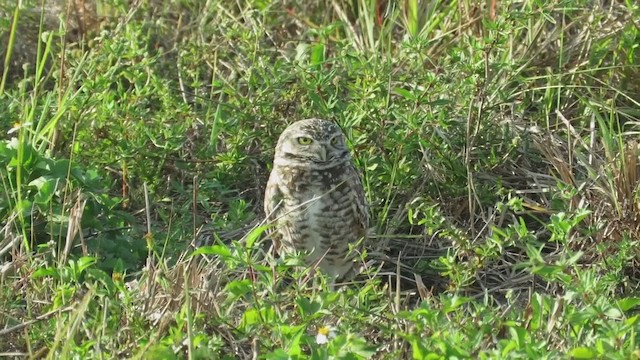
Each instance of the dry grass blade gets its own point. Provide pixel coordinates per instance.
(10, 240)
(74, 228)
(45, 316)
(497, 141)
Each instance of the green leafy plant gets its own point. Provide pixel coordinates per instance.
(497, 145)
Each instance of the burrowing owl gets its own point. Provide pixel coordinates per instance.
(315, 197)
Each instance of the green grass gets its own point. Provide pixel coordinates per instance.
(499, 153)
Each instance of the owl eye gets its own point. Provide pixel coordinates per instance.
(304, 141)
(335, 141)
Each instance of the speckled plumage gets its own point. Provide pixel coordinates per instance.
(315, 196)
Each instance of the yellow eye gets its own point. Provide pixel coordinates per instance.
(335, 141)
(304, 141)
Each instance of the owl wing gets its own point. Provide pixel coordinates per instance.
(361, 209)
(272, 205)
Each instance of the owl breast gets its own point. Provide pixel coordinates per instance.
(315, 198)
(319, 216)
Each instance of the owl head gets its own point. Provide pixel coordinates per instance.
(312, 141)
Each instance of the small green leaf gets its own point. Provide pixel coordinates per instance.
(160, 351)
(293, 346)
(102, 278)
(404, 93)
(250, 317)
(85, 262)
(45, 272)
(6, 152)
(24, 206)
(219, 250)
(455, 302)
(508, 347)
(546, 269)
(308, 307)
(279, 354)
(59, 168)
(582, 353)
(239, 287)
(46, 189)
(614, 313)
(537, 308)
(317, 54)
(627, 304)
(440, 102)
(574, 258)
(254, 235)
(519, 334)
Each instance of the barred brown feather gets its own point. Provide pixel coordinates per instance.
(315, 197)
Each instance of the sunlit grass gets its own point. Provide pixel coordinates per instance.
(498, 145)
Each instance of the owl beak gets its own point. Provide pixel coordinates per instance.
(323, 153)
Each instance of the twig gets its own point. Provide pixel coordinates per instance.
(6, 331)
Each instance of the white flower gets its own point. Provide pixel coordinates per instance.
(17, 127)
(325, 333)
